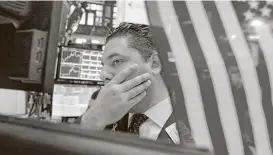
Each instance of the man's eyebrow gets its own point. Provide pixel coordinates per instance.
(112, 55)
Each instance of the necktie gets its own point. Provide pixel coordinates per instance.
(137, 120)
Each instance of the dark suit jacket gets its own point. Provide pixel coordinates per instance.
(186, 135)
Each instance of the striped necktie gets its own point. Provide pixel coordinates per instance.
(137, 120)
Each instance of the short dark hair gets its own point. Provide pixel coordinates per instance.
(139, 37)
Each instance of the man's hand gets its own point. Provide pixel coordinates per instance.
(116, 98)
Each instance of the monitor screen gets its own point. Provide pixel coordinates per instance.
(71, 100)
(80, 64)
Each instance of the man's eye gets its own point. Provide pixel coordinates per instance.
(116, 62)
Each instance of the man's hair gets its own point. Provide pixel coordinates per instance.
(139, 37)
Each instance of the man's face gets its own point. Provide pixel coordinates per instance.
(118, 56)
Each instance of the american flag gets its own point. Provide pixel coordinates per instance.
(223, 54)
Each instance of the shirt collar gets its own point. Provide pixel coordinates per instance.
(160, 112)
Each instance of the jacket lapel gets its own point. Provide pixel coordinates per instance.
(170, 134)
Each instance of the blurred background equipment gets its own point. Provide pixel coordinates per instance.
(27, 56)
(28, 52)
(53, 50)
(30, 32)
(75, 18)
(17, 8)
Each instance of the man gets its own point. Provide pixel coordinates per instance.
(131, 69)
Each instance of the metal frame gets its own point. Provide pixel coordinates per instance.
(21, 136)
(53, 39)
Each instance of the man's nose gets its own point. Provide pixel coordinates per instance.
(106, 76)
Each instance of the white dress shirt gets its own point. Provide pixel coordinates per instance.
(158, 116)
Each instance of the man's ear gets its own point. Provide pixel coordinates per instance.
(155, 64)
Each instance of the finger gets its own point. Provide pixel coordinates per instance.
(121, 76)
(138, 90)
(130, 84)
(137, 99)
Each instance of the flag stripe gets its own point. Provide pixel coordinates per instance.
(262, 72)
(254, 96)
(265, 41)
(249, 76)
(188, 78)
(266, 91)
(219, 77)
(207, 91)
(231, 63)
(169, 69)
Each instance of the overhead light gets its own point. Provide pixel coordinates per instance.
(95, 41)
(80, 40)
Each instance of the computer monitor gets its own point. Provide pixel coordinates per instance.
(79, 64)
(26, 64)
(71, 100)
